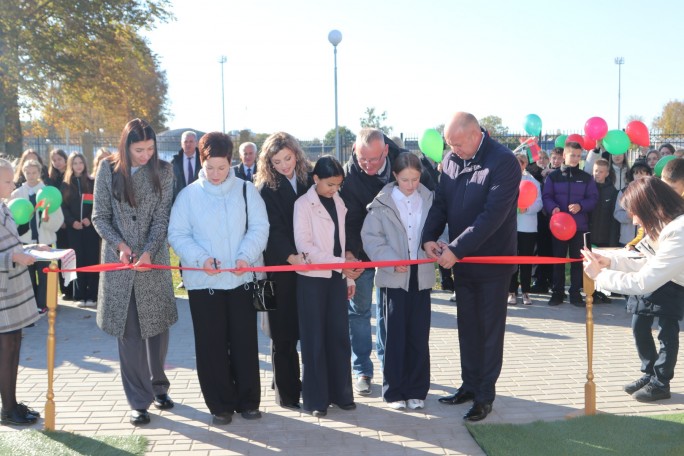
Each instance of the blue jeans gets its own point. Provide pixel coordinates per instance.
(360, 324)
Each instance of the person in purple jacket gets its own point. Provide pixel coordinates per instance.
(572, 190)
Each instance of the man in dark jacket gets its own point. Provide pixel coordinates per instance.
(186, 163)
(569, 189)
(367, 171)
(477, 197)
(248, 166)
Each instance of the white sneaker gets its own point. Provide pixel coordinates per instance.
(453, 297)
(526, 299)
(398, 405)
(415, 404)
(512, 299)
(90, 303)
(81, 304)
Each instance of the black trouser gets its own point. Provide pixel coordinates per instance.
(226, 348)
(86, 244)
(324, 337)
(544, 272)
(526, 243)
(406, 372)
(570, 248)
(481, 315)
(285, 363)
(39, 282)
(658, 364)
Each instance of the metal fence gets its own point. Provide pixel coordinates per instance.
(167, 147)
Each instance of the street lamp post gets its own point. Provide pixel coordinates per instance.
(335, 36)
(619, 61)
(222, 60)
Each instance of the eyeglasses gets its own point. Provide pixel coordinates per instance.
(371, 161)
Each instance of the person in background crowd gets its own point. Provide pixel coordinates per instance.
(527, 238)
(391, 231)
(41, 229)
(666, 149)
(476, 197)
(247, 169)
(281, 179)
(657, 278)
(679, 153)
(186, 163)
(77, 205)
(618, 163)
(100, 156)
(543, 273)
(571, 190)
(652, 158)
(319, 231)
(535, 168)
(673, 175)
(220, 221)
(639, 169)
(17, 307)
(133, 191)
(29, 154)
(58, 159)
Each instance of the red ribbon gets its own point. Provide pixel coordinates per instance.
(108, 267)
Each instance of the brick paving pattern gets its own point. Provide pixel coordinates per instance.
(543, 378)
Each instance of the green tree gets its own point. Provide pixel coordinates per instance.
(375, 120)
(672, 118)
(53, 52)
(635, 117)
(346, 137)
(493, 125)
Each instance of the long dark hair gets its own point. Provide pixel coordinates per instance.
(54, 174)
(122, 188)
(654, 202)
(70, 177)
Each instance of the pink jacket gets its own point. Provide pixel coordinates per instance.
(314, 231)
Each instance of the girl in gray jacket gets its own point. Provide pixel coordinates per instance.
(392, 231)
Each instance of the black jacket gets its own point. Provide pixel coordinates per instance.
(73, 209)
(359, 189)
(479, 203)
(240, 172)
(605, 230)
(179, 171)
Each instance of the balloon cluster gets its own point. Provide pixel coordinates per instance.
(22, 210)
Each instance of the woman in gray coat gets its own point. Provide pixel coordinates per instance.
(133, 193)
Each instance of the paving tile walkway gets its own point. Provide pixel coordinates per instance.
(543, 378)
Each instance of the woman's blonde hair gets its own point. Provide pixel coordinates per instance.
(266, 173)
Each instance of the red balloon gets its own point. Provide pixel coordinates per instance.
(528, 194)
(596, 128)
(562, 226)
(638, 133)
(589, 143)
(576, 138)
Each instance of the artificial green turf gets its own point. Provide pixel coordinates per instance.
(32, 442)
(585, 436)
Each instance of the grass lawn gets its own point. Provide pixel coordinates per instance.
(32, 442)
(661, 435)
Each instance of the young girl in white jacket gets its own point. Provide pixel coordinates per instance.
(41, 229)
(392, 231)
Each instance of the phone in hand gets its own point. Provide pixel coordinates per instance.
(587, 241)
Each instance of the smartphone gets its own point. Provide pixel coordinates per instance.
(587, 241)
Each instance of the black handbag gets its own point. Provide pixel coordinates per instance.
(263, 291)
(666, 301)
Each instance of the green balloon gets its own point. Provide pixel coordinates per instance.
(52, 197)
(21, 209)
(533, 125)
(560, 141)
(616, 142)
(658, 168)
(432, 145)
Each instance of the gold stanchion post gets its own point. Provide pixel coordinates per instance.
(590, 386)
(52, 314)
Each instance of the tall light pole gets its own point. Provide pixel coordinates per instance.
(222, 60)
(619, 61)
(335, 36)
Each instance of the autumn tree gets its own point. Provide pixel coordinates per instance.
(375, 120)
(494, 125)
(672, 118)
(346, 137)
(60, 55)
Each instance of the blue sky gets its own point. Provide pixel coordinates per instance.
(418, 61)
